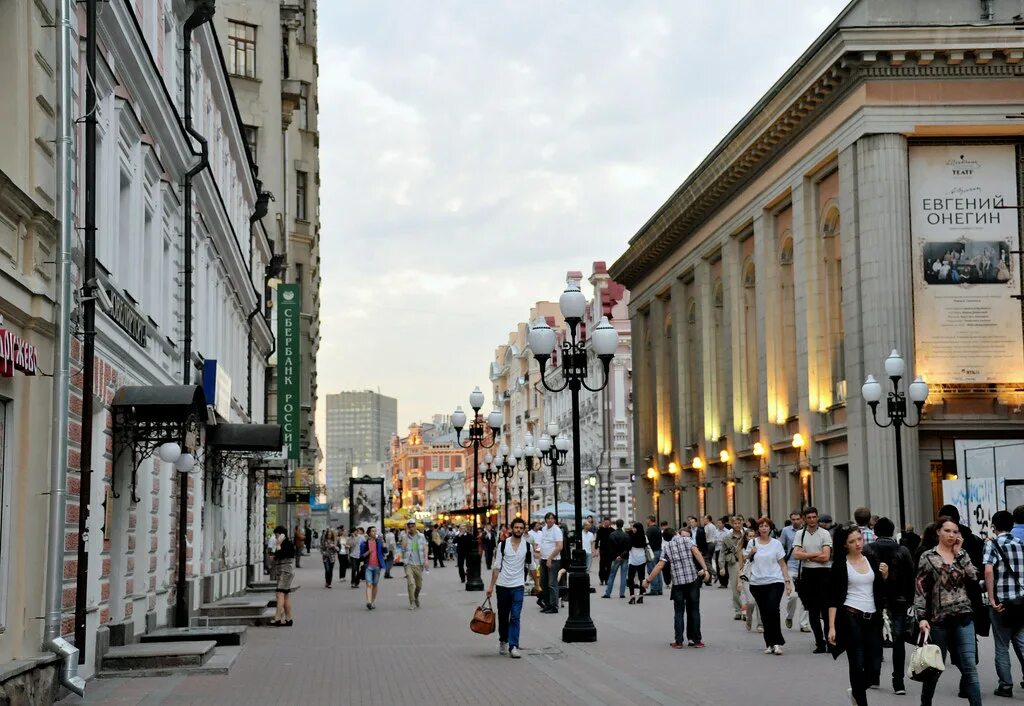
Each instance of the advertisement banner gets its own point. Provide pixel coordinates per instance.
(964, 271)
(288, 298)
(366, 502)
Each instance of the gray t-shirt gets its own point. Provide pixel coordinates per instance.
(814, 542)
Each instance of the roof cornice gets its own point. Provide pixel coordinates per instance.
(806, 94)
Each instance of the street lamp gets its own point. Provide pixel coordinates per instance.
(475, 442)
(803, 469)
(896, 411)
(764, 480)
(553, 447)
(702, 499)
(579, 627)
(500, 466)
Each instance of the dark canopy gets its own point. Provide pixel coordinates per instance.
(161, 402)
(245, 437)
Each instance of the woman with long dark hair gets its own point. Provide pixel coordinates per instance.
(284, 566)
(856, 597)
(637, 561)
(943, 604)
(769, 577)
(329, 552)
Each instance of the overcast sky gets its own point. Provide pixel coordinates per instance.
(473, 152)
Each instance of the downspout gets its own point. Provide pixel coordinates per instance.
(201, 14)
(52, 639)
(88, 304)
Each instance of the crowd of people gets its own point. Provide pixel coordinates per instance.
(855, 589)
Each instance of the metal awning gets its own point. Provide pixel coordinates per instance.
(161, 402)
(246, 437)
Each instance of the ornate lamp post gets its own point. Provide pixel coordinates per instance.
(532, 461)
(896, 411)
(579, 627)
(553, 447)
(495, 467)
(476, 442)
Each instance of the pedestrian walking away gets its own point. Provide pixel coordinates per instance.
(342, 541)
(769, 578)
(299, 542)
(813, 549)
(439, 544)
(329, 552)
(508, 574)
(654, 540)
(589, 538)
(942, 600)
(899, 596)
(284, 567)
(639, 553)
(683, 555)
(550, 549)
(414, 559)
(604, 550)
(390, 548)
(618, 548)
(488, 541)
(856, 594)
(793, 602)
(463, 548)
(1004, 569)
(355, 551)
(372, 556)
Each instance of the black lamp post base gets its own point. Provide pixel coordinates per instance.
(579, 627)
(473, 580)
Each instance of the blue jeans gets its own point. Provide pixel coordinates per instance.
(658, 584)
(373, 575)
(549, 583)
(1002, 635)
(956, 635)
(619, 567)
(510, 607)
(686, 600)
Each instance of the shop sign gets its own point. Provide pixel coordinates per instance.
(288, 298)
(125, 316)
(274, 490)
(296, 494)
(16, 354)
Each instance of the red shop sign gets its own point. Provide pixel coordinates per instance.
(16, 354)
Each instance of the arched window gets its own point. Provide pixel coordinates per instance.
(832, 302)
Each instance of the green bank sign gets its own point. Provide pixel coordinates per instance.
(288, 366)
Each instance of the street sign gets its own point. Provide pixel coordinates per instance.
(288, 298)
(296, 494)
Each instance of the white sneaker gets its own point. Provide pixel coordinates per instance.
(502, 648)
(769, 650)
(514, 653)
(777, 650)
(760, 628)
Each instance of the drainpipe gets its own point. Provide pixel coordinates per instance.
(88, 304)
(262, 206)
(202, 13)
(52, 639)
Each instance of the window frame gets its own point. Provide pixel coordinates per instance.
(241, 43)
(301, 195)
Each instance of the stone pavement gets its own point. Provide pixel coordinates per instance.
(340, 653)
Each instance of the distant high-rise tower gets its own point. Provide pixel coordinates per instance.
(359, 429)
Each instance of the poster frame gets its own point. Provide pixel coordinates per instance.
(375, 486)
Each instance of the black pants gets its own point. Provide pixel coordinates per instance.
(461, 561)
(862, 640)
(438, 556)
(634, 573)
(723, 578)
(686, 604)
(604, 566)
(489, 556)
(897, 623)
(812, 587)
(328, 570)
(342, 566)
(355, 572)
(769, 603)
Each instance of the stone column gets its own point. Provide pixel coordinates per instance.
(881, 271)
(643, 397)
(681, 351)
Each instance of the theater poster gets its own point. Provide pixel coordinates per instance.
(967, 324)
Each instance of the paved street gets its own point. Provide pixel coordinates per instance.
(340, 653)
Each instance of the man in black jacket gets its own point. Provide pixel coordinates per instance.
(604, 549)
(899, 594)
(618, 548)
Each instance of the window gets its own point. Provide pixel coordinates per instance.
(300, 196)
(241, 54)
(251, 135)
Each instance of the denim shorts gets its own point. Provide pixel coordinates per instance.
(373, 575)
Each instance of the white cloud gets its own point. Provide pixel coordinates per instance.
(471, 153)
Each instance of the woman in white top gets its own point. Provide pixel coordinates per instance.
(855, 599)
(637, 561)
(769, 577)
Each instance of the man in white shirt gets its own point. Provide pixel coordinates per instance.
(550, 550)
(711, 535)
(510, 564)
(588, 542)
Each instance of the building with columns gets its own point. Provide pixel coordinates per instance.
(854, 210)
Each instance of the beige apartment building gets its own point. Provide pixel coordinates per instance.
(854, 210)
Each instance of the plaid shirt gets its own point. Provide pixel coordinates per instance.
(1007, 588)
(679, 554)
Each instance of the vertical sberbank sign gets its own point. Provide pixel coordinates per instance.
(288, 366)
